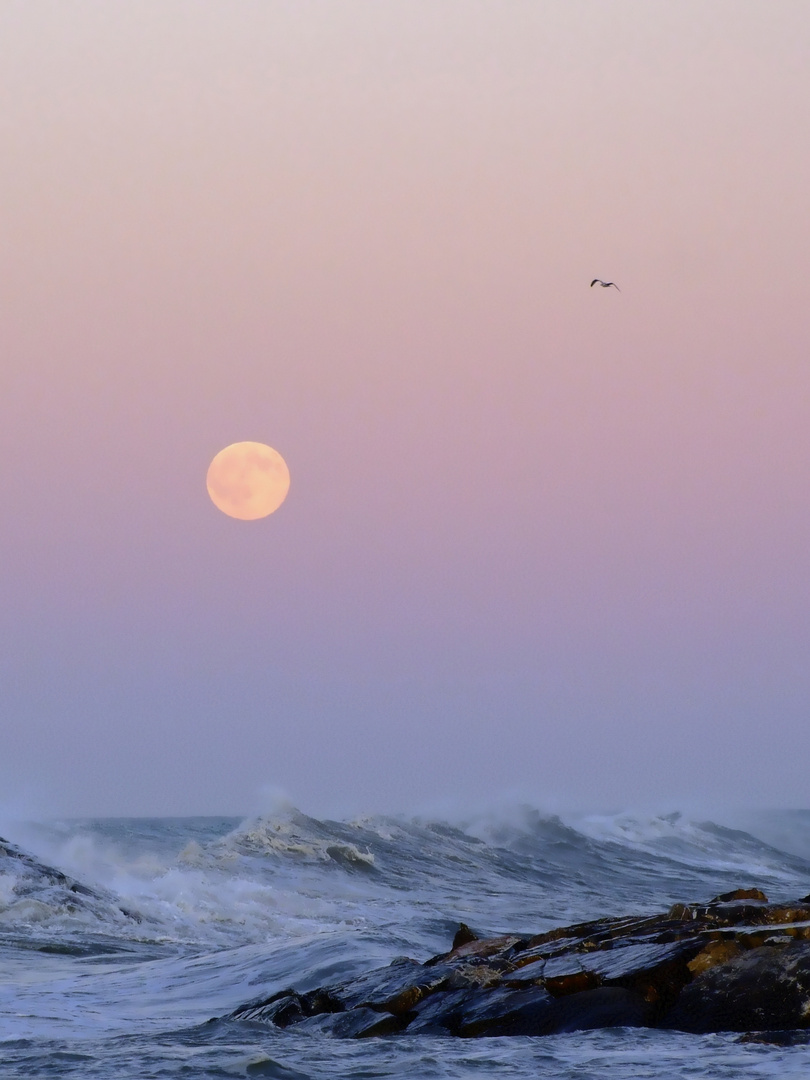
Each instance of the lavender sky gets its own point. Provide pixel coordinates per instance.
(540, 538)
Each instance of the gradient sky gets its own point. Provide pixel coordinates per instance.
(540, 538)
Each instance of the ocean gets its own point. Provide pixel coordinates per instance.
(123, 942)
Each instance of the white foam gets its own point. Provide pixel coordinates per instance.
(262, 882)
(8, 883)
(285, 876)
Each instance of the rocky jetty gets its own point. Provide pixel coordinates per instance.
(737, 963)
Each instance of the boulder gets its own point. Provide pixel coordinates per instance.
(761, 989)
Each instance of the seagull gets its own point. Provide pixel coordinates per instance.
(605, 284)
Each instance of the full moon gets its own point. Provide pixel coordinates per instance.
(248, 480)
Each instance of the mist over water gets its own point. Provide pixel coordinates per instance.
(121, 938)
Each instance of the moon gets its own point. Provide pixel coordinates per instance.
(248, 480)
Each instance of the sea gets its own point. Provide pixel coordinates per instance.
(124, 942)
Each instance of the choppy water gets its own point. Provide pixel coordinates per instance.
(121, 938)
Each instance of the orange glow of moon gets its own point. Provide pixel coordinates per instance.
(248, 480)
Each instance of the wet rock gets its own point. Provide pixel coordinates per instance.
(763, 989)
(737, 963)
(394, 990)
(777, 1038)
(464, 936)
(740, 894)
(716, 952)
(527, 973)
(504, 1011)
(361, 1023)
(475, 947)
(622, 961)
(282, 1009)
(607, 1006)
(571, 982)
(527, 1011)
(533, 1011)
(440, 1014)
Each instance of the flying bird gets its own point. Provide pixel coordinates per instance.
(605, 284)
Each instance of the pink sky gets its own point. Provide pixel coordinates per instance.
(540, 537)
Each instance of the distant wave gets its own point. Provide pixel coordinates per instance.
(286, 875)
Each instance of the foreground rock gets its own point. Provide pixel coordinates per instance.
(737, 963)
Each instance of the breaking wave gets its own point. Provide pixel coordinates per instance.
(290, 875)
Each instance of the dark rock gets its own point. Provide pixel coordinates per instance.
(533, 1011)
(622, 961)
(476, 947)
(393, 989)
(526, 973)
(608, 1006)
(735, 913)
(763, 989)
(737, 963)
(777, 1038)
(504, 1011)
(440, 1014)
(282, 1009)
(359, 1023)
(570, 982)
(464, 936)
(740, 894)
(716, 952)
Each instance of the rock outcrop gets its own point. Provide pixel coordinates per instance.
(737, 963)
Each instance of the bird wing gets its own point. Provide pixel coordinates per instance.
(595, 281)
(615, 286)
